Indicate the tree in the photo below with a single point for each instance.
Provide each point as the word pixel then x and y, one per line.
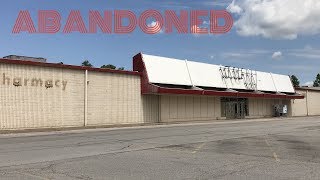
pixel 86 63
pixel 109 66
pixel 295 81
pixel 316 83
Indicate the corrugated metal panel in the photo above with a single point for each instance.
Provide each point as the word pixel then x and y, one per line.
pixel 189 108
pixel 263 107
pixel 150 108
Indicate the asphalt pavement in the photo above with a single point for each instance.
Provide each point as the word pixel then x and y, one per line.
pixel 250 149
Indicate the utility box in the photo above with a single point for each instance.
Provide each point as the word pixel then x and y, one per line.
pixel 280 110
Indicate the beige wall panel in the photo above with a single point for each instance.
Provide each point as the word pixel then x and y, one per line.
pixel 32 105
pixel 181 107
pixel 190 108
pixel 264 107
pixel 173 105
pixel 310 105
pixel 197 107
pixel 268 105
pixel 204 107
pixel 164 111
pixel 217 105
pixel 313 103
pixel 256 107
pixel 211 107
pixel 261 107
pixel 114 99
pixel 252 111
pixel 150 108
pixel 251 107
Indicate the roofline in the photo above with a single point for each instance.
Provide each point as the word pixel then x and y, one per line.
pixel 22 56
pixel 163 90
pixel 306 89
pixel 65 66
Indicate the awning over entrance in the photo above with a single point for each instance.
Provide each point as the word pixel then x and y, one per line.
pixel 225 82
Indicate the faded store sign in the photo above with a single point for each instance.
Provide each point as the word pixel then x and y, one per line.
pixel 33 82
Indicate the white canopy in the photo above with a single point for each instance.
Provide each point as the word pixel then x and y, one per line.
pixel 163 70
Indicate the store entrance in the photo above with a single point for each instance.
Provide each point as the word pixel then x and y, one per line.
pixel 233 108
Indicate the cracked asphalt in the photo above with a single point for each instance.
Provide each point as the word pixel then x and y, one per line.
pixel 253 149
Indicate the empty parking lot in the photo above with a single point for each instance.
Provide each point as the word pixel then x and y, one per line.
pixel 250 149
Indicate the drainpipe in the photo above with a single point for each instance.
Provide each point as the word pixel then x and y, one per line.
pixel 86 99
pixel 307 105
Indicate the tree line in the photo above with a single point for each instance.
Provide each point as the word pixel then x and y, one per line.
pixel 296 83
pixel 106 66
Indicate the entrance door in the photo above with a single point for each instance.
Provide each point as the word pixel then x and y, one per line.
pixel 235 108
pixel 241 113
pixel 231 109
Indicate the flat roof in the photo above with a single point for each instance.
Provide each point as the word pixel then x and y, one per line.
pixel 308 88
pixel 65 66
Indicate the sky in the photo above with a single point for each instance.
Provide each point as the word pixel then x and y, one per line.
pixel 279 36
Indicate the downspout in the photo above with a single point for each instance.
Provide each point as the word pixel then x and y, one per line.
pixel 86 99
pixel 307 105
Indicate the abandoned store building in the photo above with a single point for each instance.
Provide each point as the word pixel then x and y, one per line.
pixel 158 89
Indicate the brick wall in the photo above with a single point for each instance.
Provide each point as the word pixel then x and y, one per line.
pixel 46 97
pixel 114 99
pixel 27 99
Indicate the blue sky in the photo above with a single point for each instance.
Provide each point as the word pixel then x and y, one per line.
pixel 299 56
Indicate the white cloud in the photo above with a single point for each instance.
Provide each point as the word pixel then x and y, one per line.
pixel 277 55
pixel 276 19
pixel 295 68
pixel 216 3
pixel 309 83
pixel 152 24
pixel 240 54
pixel 233 8
pixel 306 53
